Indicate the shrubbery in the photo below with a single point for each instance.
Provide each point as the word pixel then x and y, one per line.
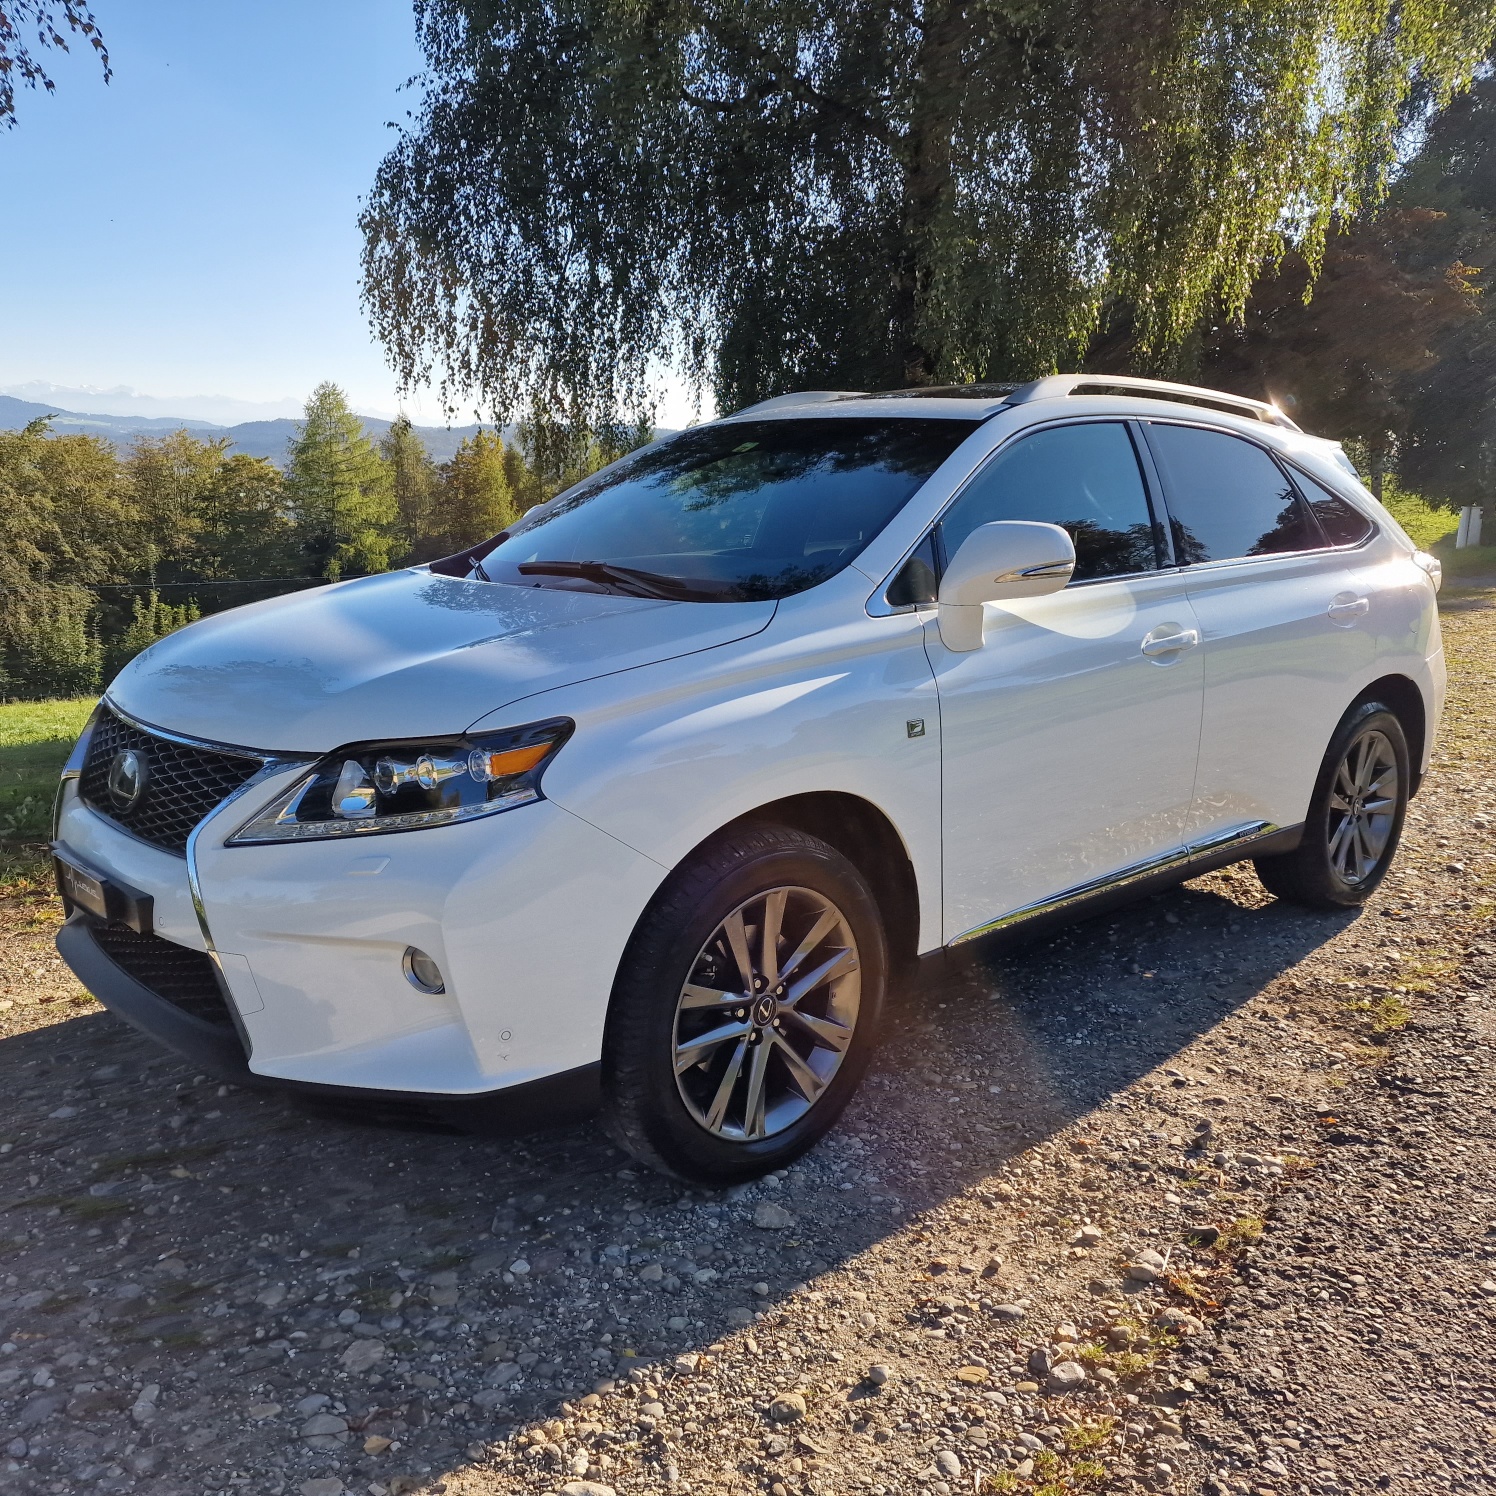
pixel 109 551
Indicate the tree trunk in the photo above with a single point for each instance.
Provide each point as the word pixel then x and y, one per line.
pixel 1378 455
pixel 929 180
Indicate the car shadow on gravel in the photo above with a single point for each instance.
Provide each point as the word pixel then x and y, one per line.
pixel 244 1257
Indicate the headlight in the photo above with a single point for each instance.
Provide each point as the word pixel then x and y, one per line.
pixel 372 787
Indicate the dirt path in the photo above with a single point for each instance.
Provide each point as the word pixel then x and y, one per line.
pixel 208 1290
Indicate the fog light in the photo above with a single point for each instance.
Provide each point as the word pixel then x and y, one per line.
pixel 422 972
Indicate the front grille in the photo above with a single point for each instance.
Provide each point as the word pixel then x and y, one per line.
pixel 183 783
pixel 185 978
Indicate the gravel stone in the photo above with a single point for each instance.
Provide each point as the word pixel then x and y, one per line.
pixel 787 1407
pixel 768 1216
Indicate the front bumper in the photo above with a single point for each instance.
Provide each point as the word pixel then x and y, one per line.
pixel 527 913
pixel 185 1022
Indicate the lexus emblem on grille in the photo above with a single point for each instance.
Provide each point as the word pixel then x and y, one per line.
pixel 128 777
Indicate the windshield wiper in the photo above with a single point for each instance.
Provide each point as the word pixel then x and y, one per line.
pixel 626 578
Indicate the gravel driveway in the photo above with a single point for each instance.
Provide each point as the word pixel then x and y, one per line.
pixel 1196 1197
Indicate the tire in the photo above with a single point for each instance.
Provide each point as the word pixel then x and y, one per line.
pixel 740 1104
pixel 1350 835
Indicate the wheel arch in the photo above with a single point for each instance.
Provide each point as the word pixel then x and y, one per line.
pixel 867 838
pixel 1406 702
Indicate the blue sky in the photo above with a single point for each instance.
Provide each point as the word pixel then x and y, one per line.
pixel 190 228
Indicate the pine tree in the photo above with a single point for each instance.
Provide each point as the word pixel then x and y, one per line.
pixel 413 482
pixel 474 500
pixel 339 491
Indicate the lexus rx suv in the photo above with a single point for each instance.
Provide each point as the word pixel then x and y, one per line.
pixel 648 800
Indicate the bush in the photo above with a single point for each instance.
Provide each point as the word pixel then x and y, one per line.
pixel 152 620
pixel 50 646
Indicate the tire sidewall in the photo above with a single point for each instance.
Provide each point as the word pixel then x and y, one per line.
pixel 648 990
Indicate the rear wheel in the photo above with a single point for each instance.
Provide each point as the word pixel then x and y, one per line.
pixel 745 1008
pixel 1355 818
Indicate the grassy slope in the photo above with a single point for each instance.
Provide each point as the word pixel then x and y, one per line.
pixel 35 737
pixel 1433 530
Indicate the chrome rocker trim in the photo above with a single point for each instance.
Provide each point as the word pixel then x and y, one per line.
pixel 1253 838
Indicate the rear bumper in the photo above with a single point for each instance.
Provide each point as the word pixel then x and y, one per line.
pixel 126 972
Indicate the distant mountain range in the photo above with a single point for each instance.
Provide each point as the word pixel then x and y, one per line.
pixel 121 400
pixel 254 438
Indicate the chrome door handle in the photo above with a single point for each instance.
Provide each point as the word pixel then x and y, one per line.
pixel 1346 605
pixel 1162 644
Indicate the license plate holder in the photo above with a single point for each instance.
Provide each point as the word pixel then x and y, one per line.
pixel 85 888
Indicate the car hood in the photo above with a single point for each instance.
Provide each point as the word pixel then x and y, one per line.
pixel 402 655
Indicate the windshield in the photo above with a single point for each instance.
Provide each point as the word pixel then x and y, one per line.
pixel 736 512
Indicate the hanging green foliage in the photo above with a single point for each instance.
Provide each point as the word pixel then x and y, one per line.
pixel 772 194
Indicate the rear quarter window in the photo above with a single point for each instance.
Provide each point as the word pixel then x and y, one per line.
pixel 1341 521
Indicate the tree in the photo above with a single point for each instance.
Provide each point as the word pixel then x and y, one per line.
pixel 246 532
pixel 413 483
pixel 1449 451
pixel 169 478
pixel 20 20
pixel 473 500
pixel 1393 346
pixel 203 516
pixel 780 193
pixel 1345 359
pixel 66 523
pixel 150 620
pixel 339 491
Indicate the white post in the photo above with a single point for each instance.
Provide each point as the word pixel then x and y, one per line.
pixel 1462 531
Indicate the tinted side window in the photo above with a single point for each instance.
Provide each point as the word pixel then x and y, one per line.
pixel 1227 497
pixel 1342 522
pixel 1082 478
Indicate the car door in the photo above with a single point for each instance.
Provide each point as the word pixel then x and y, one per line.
pixel 1069 738
pixel 1282 618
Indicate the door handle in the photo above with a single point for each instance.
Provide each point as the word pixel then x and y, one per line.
pixel 1156 643
pixel 1345 606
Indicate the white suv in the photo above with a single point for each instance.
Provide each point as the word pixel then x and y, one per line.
pixel 692 762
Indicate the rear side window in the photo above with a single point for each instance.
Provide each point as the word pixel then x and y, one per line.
pixel 1084 478
pixel 1342 522
pixel 1227 497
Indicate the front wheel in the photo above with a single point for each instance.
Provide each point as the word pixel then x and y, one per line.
pixel 1355 818
pixel 745 1008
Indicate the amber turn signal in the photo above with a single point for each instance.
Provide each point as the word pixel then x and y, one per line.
pixel 500 765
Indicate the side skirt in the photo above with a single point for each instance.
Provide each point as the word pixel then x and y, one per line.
pixel 1125 887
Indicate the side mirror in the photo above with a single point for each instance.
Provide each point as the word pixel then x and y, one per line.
pixel 1000 562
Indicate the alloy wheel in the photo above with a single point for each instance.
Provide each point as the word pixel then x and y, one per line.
pixel 1363 806
pixel 767 1014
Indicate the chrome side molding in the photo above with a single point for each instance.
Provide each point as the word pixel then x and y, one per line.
pixel 1232 837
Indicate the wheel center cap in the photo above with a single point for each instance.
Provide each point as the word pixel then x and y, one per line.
pixel 764 1011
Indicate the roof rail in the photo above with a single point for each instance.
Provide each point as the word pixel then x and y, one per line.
pixel 1055 385
pixel 800 397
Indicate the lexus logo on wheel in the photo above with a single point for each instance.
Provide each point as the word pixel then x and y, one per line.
pixel 128 777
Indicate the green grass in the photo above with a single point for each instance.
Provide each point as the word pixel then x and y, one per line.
pixel 1434 530
pixel 35 737
pixel 1426 526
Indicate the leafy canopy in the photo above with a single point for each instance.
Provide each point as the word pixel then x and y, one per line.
pixel 28 27
pixel 771 194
